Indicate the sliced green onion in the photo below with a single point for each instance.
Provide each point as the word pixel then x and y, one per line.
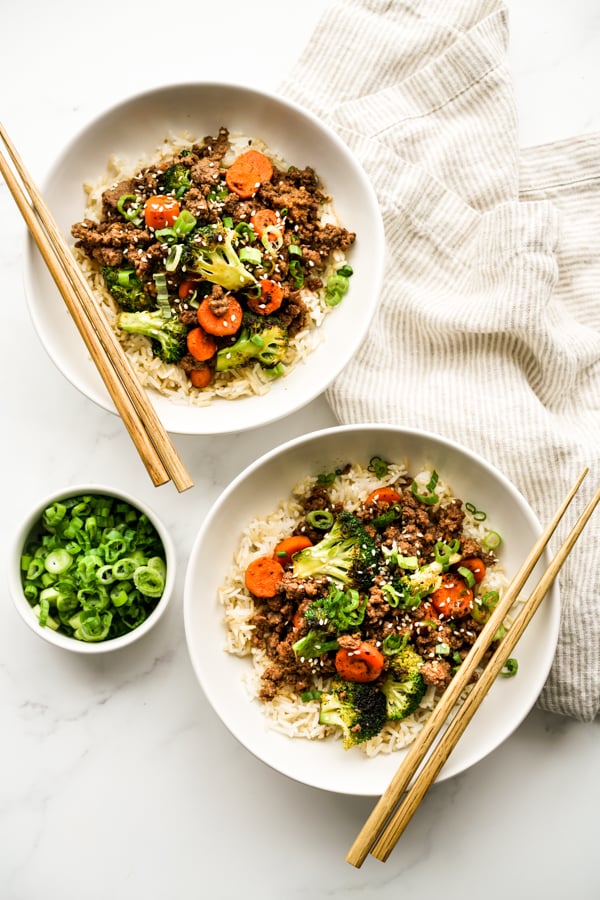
pixel 243 230
pixel 320 518
pixel 467 575
pixel 442 649
pixel 165 235
pixel 406 562
pixel 378 467
pixel 162 294
pixel 510 668
pixel 250 255
pixel 393 643
pixel 69 566
pixel 174 257
pixel 478 514
pixel 149 581
pixel 294 249
pixel 274 371
pixel 297 273
pixel 184 223
pixel 429 497
pixel 227 221
pixel 492 540
pixel 272 238
pixel 133 212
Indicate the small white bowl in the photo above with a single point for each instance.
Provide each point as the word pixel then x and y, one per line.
pixel 31 523
pixel 137 126
pixel 257 491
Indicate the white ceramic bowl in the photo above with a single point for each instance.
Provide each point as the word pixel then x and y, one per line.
pixel 135 127
pixel 30 526
pixel 257 491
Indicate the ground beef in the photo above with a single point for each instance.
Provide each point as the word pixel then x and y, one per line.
pixel 437 672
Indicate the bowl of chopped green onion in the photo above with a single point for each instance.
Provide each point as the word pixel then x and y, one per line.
pixel 93 569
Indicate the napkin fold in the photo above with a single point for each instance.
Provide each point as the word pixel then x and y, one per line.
pixel 488 326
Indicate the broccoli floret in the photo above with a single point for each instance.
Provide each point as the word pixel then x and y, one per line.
pixel 358 708
pixel 212 255
pixel 127 289
pixel 346 554
pixel 168 336
pixel 314 644
pixel 263 338
pixel 404 686
pixel 338 611
pixel 176 180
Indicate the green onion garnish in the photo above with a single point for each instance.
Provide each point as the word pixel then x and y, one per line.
pixel 429 497
pixel 108 580
pixel 320 518
pixel 510 668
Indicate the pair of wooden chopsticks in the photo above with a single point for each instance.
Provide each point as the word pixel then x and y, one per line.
pixel 143 424
pixel 395 808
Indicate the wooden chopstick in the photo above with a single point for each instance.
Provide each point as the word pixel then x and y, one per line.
pixel 152 441
pixel 386 805
pixel 434 763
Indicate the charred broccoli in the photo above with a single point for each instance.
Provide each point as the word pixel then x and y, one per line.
pixel 346 554
pixel 176 180
pixel 358 708
pixel 127 289
pixel 168 336
pixel 261 338
pixel 404 686
pixel 314 644
pixel 211 255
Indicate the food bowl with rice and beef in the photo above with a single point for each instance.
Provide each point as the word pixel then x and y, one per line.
pixel 234 244
pixel 336 586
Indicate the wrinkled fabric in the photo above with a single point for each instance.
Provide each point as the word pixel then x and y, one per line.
pixel 488 325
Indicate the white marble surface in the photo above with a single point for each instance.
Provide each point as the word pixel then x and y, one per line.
pixel 116 777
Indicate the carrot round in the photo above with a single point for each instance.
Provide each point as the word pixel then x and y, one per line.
pixel 201 377
pixel 385 494
pixel 201 345
pixel 185 289
pixel 160 211
pixel 247 172
pixel 223 325
pixel 363 664
pixel 286 548
pixel 475 565
pixel 453 598
pixel 271 298
pixel 263 576
pixel 265 218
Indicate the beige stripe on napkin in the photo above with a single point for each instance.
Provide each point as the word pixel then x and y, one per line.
pixel 488 326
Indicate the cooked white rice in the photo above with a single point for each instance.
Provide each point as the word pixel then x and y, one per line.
pixel 287 713
pixel 171 380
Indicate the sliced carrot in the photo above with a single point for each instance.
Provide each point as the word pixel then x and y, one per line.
pixel 161 211
pixel 265 218
pixel 385 494
pixel 286 548
pixel 201 377
pixel 201 345
pixel 263 576
pixel 363 664
pixel 453 598
pixel 475 565
pixel 185 289
pixel 220 325
pixel 247 172
pixel 271 298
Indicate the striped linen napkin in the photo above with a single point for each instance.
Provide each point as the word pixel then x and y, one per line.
pixel 488 327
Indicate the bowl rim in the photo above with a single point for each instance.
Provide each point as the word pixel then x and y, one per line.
pixel 28 523
pixel 294 391
pixel 190 599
